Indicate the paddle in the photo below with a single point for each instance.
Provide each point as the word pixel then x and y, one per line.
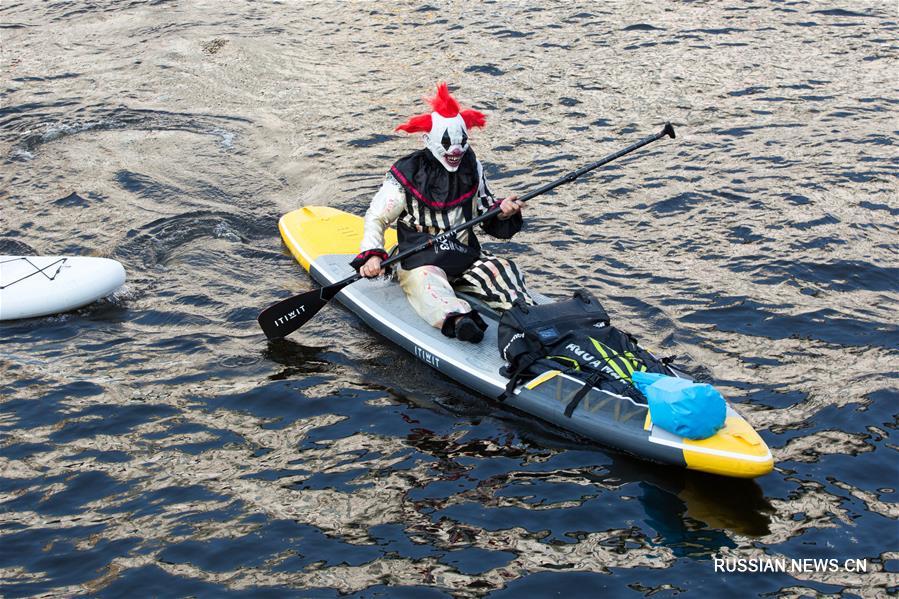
pixel 288 315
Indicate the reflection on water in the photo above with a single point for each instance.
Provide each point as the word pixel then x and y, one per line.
pixel 155 441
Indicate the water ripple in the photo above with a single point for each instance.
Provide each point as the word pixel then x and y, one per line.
pixel 154 441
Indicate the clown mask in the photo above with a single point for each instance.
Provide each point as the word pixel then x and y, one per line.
pixel 446 128
pixel 447 140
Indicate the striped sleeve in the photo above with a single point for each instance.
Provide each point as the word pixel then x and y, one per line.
pixel 485 196
pixel 495 227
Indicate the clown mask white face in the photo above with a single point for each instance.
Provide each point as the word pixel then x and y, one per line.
pixel 447 140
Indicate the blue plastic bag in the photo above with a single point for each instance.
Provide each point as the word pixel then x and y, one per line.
pixel 691 410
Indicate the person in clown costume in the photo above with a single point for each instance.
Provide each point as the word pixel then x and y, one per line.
pixel 428 192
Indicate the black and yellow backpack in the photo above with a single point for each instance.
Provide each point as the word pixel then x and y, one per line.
pixel 576 336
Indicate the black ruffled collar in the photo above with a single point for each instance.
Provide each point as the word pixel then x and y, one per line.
pixel 423 176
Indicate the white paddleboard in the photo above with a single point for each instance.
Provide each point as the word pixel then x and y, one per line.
pixel 40 285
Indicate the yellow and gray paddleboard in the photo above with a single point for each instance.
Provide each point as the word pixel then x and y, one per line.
pixel 324 240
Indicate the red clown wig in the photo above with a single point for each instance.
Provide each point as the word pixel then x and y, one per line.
pixel 446 106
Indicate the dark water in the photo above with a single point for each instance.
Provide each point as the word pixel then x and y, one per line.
pixel 154 444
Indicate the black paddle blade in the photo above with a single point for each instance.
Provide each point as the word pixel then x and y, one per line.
pixel 668 130
pixel 288 315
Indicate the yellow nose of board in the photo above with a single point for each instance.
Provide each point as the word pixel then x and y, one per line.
pixel 735 450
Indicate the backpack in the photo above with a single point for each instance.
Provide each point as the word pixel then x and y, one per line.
pixel 576 335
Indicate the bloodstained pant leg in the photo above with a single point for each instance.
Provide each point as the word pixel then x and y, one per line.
pixel 430 294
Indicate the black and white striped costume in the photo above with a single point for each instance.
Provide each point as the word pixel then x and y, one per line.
pixel 424 199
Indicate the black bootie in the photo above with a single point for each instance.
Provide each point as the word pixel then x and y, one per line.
pixel 468 330
pixel 465 327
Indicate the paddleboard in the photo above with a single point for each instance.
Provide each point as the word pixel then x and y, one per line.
pixel 324 240
pixel 40 285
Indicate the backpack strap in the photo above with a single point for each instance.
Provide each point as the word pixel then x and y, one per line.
pixel 525 361
pixel 591 380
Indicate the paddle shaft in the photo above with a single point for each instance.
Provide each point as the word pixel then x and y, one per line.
pixel 288 315
pixel 668 130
